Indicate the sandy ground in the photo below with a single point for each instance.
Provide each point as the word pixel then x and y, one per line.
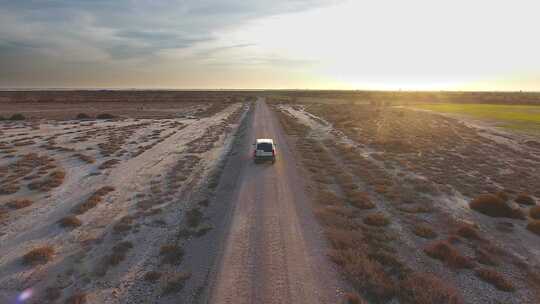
pixel 273 252
pixel 148 195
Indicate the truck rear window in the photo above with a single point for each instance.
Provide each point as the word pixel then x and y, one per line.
pixel 266 147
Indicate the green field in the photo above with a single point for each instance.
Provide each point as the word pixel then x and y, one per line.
pixel 524 118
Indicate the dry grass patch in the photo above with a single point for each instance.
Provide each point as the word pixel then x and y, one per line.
pixel 376 219
pixel 152 276
pixel 70 221
pixel 53 180
pixel 494 278
pixel 39 255
pixel 19 203
pixel 525 199
pixel 93 200
pixel 468 231
pixel 445 252
pixel 52 294
pixel 171 254
pixel 359 200
pixel 108 164
pixel 117 255
pixel 354 298
pixel 364 273
pixel 9 188
pixel 424 231
pixel 194 217
pixel 85 158
pixel 175 282
pixel 534 227
pixel 534 212
pixel 78 298
pixel 425 288
pixel 494 206
pixel 484 257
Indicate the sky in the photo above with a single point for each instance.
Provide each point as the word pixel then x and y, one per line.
pixel 271 44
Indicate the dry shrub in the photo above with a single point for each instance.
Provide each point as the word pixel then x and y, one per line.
pixel 3 213
pixel 118 254
pixel 445 252
pixel 492 205
pixel 152 276
pixel 376 219
pixel 534 212
pixel 104 190
pixel 108 164
pixel 194 217
pixel 534 226
pixel 19 203
pixel 525 199
pixel 468 231
pixel 70 221
pixel 425 288
pixel 105 116
pixel 325 197
pixel 344 239
pixel 364 273
pixel 53 180
pixel 52 294
pixel 171 254
pixel 93 200
pixel 9 189
pixel 334 220
pixel 78 298
pixel 360 200
pixel 85 158
pixel 175 282
pixel 425 231
pixel 354 298
pixel 123 225
pixel 40 255
pixel 494 278
pixel 485 257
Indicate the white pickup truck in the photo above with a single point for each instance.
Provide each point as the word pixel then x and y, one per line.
pixel 265 149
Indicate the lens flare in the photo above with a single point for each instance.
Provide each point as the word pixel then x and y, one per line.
pixel 25 295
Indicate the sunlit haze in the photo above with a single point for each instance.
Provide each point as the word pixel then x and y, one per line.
pixel 302 44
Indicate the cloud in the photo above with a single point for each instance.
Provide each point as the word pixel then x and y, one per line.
pixel 124 29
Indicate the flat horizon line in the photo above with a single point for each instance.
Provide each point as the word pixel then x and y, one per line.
pixel 260 90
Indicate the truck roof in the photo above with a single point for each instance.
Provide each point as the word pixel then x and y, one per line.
pixel 264 140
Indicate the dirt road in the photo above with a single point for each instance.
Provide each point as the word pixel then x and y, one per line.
pixel 273 252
